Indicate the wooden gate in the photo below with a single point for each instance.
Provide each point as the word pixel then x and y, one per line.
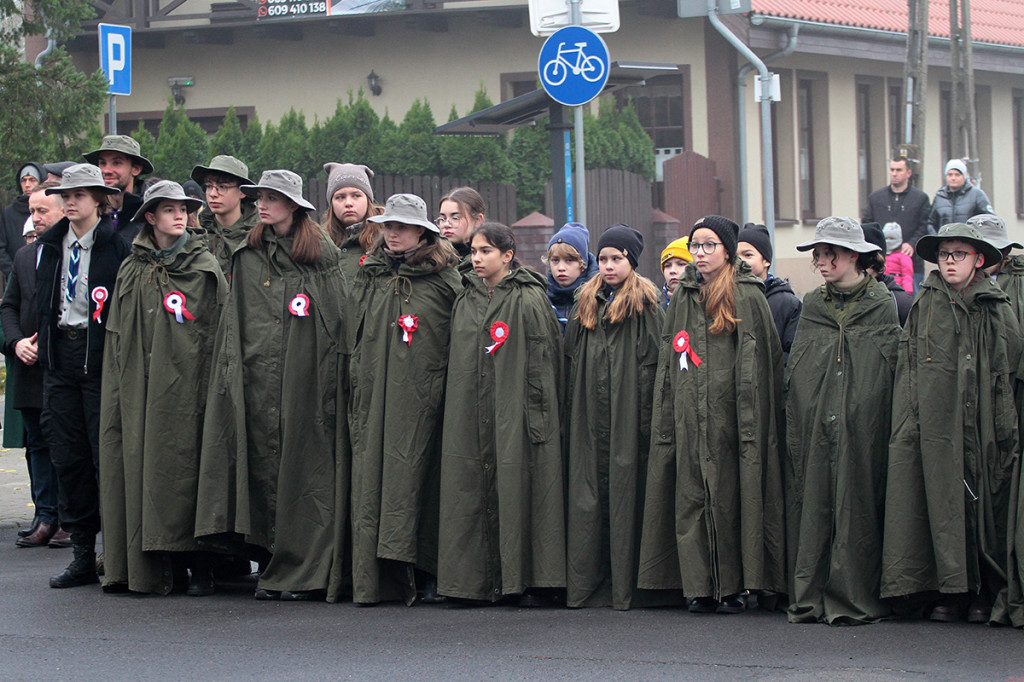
pixel 691 188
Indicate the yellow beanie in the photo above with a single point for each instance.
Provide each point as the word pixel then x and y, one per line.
pixel 677 249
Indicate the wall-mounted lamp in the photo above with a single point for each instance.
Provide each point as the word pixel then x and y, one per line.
pixel 374 82
pixel 177 83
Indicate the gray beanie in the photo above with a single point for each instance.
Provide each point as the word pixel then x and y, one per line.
pixel 348 175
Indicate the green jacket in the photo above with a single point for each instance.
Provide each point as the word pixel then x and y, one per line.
pixel 502 525
pixel 224 240
pixel 608 427
pixel 274 467
pixel 396 409
pixel 838 390
pixel 713 522
pixel 156 372
pixel 953 454
pixel 1011 280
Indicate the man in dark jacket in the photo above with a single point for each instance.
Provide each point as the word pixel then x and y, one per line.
pixel 77 267
pixel 25 381
pixel 901 203
pixel 16 213
pixel 958 199
pixel 120 159
pixel 755 247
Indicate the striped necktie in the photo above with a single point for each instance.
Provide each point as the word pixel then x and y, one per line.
pixel 76 257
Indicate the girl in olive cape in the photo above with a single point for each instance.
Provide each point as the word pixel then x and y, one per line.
pixel 274 468
pixel 713 519
pixel 349 191
pixel 611 349
pixel 838 406
pixel 156 371
pixel 404 295
pixel 502 526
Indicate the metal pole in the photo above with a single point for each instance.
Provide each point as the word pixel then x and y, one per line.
pixel 580 212
pixel 112 116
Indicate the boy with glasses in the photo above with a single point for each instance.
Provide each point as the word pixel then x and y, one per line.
pixel 954 443
pixel 229 215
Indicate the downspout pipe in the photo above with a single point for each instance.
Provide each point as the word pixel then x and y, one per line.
pixel 51 45
pixel 765 83
pixel 792 32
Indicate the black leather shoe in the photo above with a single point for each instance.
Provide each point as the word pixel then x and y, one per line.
pixel 61 539
pixel 44 531
pixel 200 582
pixel 304 595
pixel 429 595
pixel 81 570
pixel 267 595
pixel 703 605
pixel 25 532
pixel 732 604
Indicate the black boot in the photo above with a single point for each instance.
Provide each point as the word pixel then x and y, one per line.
pixel 82 569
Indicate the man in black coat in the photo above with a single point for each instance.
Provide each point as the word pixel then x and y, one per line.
pixel 25 382
pixel 901 203
pixel 15 214
pixel 120 159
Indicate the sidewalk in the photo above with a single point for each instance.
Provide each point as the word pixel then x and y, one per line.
pixel 16 510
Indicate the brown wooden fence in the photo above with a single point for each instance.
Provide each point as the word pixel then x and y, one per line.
pixel 500 197
pixel 691 188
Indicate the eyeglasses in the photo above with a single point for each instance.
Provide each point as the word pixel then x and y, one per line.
pixel 221 188
pixel 450 219
pixel 706 247
pixel 958 256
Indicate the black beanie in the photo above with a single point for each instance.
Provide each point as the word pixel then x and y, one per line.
pixel 758 237
pixel 625 239
pixel 726 230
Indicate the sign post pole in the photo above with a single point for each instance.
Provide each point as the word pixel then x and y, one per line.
pixel 577 119
pixel 116 62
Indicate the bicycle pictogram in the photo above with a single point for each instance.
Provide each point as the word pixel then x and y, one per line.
pixel 590 67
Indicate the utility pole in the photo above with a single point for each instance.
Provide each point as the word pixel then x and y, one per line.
pixel 915 84
pixel 963 124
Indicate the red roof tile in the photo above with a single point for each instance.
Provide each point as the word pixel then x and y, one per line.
pixel 992 21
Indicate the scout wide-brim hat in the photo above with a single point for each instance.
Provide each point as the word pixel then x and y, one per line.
pixel 223 165
pixel 283 181
pixel 82 176
pixel 839 231
pixel 929 244
pixel 993 230
pixel 124 144
pixel 165 189
pixel 407 209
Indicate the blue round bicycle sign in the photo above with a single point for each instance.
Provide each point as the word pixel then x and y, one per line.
pixel 573 65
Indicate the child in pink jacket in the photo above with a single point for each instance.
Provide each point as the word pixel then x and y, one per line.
pixel 897 263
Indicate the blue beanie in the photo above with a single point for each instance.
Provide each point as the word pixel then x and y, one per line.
pixel 575 235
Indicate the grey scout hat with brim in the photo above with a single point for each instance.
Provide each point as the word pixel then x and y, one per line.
pixel 165 189
pixel 839 231
pixel 993 230
pixel 82 176
pixel 223 164
pixel 407 209
pixel 283 181
pixel 123 144
pixel 928 245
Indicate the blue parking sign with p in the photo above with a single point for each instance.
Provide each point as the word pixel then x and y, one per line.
pixel 116 57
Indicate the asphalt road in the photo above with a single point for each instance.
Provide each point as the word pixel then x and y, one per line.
pixel 84 634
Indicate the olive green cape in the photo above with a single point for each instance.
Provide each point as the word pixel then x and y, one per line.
pixel 714 517
pixel 274 468
pixel 502 520
pixel 1011 280
pixel 396 410
pixel 156 372
pixel 224 240
pixel 838 390
pixel 611 381
pixel 954 450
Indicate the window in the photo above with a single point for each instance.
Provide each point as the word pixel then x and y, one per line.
pixel 1018 150
pixel 516 84
pixel 864 139
pixel 662 106
pixel 805 141
pixel 946 124
pixel 897 114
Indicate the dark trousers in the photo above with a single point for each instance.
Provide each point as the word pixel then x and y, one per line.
pixel 41 471
pixel 71 424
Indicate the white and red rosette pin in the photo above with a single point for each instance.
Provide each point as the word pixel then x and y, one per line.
pixel 363 258
pixel 499 334
pixel 681 345
pixel 408 324
pixel 99 297
pixel 299 307
pixel 174 303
